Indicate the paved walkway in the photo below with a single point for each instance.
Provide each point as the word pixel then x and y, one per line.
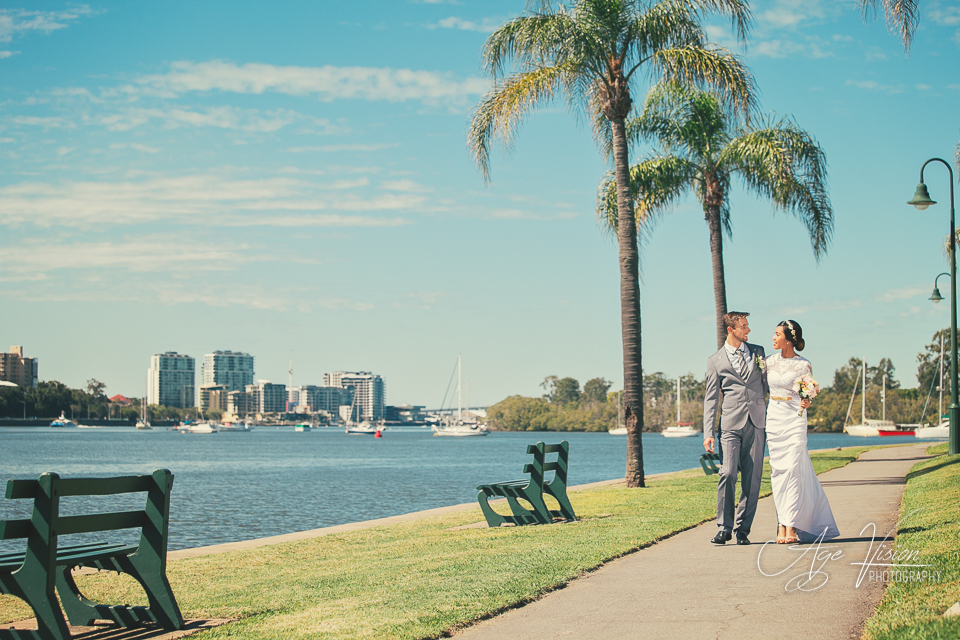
pixel 685 587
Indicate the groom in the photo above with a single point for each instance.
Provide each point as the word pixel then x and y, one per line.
pixel 736 382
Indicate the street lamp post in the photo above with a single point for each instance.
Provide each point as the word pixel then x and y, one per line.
pixel 921 200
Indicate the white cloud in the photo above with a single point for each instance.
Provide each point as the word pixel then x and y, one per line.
pixel 405 185
pixel 219 117
pixel 19 21
pixel 948 16
pixel 906 293
pixel 7 54
pixel 327 83
pixel 203 200
pixel 923 87
pixel 333 148
pixel 62 151
pixel 487 25
pixel 45 122
pixel 873 85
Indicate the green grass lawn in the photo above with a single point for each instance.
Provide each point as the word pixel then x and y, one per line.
pixel 930 527
pixel 421 578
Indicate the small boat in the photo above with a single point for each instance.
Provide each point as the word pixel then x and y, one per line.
pixel 683 429
pixel 619 430
pixel 302 428
pixel 867 427
pixel 461 429
pixel 143 425
pixel 364 428
pixel 200 427
pixel 63 421
pixel 235 427
pixel 939 432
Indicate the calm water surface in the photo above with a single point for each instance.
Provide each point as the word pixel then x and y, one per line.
pixel 240 486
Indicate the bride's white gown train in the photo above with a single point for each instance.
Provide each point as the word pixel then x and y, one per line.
pixel 797 494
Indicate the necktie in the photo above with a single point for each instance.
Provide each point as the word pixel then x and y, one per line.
pixel 741 364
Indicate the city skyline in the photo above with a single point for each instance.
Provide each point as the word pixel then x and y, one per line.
pixel 242 177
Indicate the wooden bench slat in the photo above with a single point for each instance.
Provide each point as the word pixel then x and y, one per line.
pixel 105 486
pixel 19 489
pixel 101 522
pixel 13 529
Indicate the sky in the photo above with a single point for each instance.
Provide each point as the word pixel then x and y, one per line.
pixel 293 178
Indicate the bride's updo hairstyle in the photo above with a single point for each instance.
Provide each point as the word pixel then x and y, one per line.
pixel 793 333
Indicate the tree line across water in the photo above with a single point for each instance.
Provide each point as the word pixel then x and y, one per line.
pixel 51 398
pixel 566 407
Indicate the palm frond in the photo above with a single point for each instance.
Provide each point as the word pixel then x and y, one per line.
pixel 655 185
pixel 711 67
pixel 902 16
pixel 502 110
pixel 686 120
pixel 540 39
pixel 786 164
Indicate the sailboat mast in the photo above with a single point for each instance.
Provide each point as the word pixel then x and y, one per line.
pixel 883 399
pixel 459 394
pixel 678 400
pixel 863 400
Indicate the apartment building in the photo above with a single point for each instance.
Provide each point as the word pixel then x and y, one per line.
pixel 23 372
pixel 171 380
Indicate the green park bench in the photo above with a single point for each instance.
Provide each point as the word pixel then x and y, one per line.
pixel 532 490
pixel 711 463
pixel 44 569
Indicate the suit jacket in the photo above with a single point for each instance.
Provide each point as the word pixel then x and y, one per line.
pixel 735 397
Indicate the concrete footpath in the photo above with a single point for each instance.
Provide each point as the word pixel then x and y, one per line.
pixel 686 587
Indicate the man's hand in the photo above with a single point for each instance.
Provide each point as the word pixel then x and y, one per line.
pixel 708 444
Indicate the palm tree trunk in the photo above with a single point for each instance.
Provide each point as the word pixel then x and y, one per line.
pixel 629 308
pixel 712 213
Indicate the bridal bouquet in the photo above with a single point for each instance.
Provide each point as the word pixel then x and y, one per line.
pixel 806 387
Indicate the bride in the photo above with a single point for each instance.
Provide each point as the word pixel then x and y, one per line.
pixel 803 512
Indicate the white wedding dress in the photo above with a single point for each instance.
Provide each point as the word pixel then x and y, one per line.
pixel 797 493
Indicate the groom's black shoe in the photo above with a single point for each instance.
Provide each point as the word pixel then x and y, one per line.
pixel 721 538
pixel 742 538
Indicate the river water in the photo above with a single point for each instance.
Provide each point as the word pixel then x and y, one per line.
pixel 240 486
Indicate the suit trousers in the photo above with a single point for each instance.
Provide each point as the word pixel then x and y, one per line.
pixel 742 450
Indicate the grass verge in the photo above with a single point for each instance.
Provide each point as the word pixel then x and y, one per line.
pixel 422 578
pixel 929 532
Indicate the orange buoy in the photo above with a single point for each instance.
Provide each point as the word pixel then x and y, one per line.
pixel 377 434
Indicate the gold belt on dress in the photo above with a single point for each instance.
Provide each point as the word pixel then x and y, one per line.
pixel 780 398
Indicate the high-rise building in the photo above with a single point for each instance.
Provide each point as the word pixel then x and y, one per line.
pixel 212 396
pixel 232 369
pixel 23 372
pixel 316 398
pixel 240 403
pixel 268 397
pixel 170 380
pixel 369 392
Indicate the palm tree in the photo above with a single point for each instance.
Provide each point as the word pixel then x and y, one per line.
pixel 705 145
pixel 903 16
pixel 590 53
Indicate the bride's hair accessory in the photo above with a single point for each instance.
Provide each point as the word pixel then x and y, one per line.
pixel 793 333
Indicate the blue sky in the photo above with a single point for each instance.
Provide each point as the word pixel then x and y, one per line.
pixel 193 176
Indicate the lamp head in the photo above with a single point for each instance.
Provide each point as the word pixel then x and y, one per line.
pixel 921 199
pixel 936 297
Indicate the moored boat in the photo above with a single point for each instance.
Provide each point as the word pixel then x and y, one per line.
pixel 939 432
pixel 200 427
pixel 302 428
pixel 682 430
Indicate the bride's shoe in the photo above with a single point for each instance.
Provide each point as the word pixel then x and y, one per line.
pixel 790 536
pixel 781 534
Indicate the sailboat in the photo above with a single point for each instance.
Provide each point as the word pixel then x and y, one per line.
pixel 365 428
pixel 460 428
pixel 942 430
pixel 683 429
pixel 143 422
pixel 620 430
pixel 867 427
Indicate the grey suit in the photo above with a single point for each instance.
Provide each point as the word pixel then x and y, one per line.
pixel 743 415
